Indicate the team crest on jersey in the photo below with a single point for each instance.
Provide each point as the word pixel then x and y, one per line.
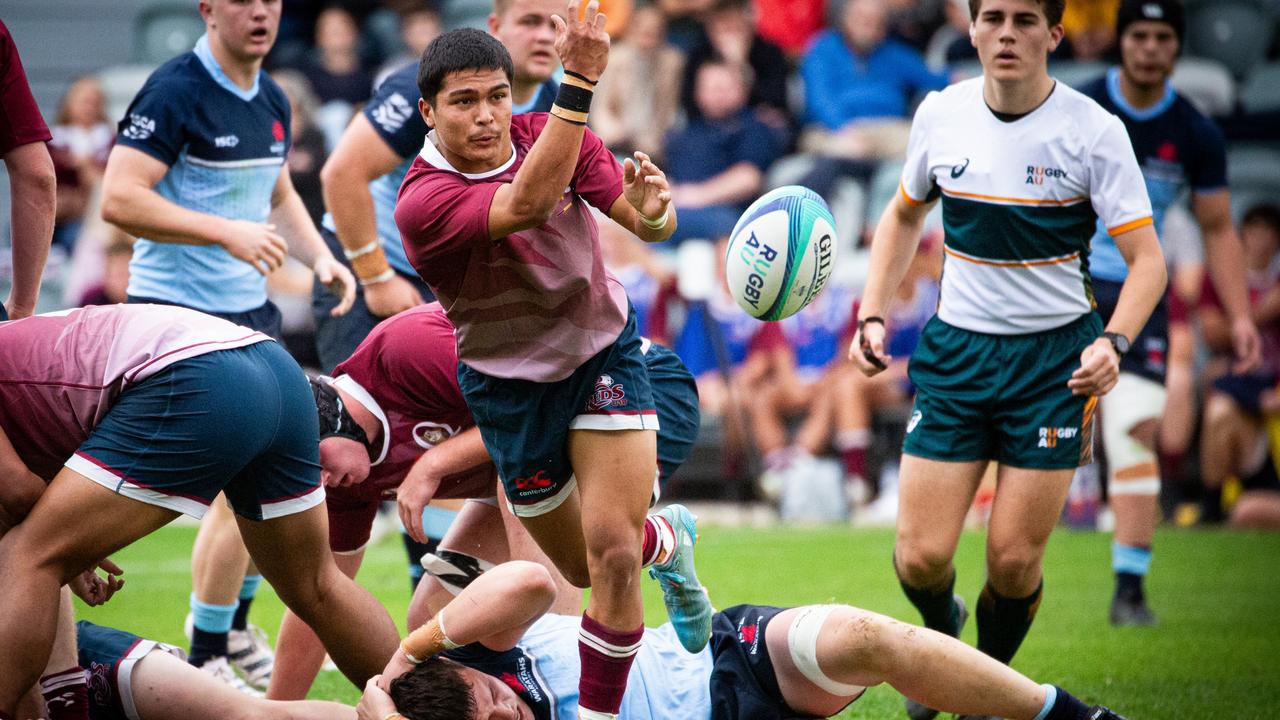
pixel 1049 436
pixel 607 394
pixel 277 134
pixel 749 635
pixel 140 127
pixel 428 434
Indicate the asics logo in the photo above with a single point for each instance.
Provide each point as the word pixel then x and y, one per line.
pixel 915 420
pixel 958 170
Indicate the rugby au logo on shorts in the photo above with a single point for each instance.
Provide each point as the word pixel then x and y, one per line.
pixel 1049 436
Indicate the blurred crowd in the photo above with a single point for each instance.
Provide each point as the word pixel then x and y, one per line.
pixel 731 98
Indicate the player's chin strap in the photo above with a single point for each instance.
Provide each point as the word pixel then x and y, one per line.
pixel 335 419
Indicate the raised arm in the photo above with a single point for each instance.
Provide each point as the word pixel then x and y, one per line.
pixel 530 198
pixel 495 610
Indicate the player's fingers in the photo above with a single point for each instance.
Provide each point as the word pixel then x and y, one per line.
pixel 574 12
pixel 110 566
pixel 664 197
pixel 277 240
pixel 588 16
pixel 559 25
pixel 628 171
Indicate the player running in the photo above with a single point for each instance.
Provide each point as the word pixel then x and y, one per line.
pixel 394 425
pixel 1177 148
pixel 494 218
pixel 1011 367
pixel 495 653
pixel 134 414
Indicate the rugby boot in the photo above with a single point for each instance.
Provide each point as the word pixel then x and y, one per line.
pixel 688 606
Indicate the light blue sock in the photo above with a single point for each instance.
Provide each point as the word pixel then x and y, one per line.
pixel 212 618
pixel 1050 697
pixel 249 588
pixel 1130 559
pixel 436 521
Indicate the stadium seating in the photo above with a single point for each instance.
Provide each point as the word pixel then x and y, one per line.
pixel 1207 84
pixel 165 28
pixel 1236 33
pixel 1261 91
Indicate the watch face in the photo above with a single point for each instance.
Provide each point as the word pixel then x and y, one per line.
pixel 1120 342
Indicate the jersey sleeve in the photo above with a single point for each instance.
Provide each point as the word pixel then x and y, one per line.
pixel 439 212
pixel 393 113
pixel 598 176
pixel 417 355
pixel 918 186
pixel 154 123
pixel 1116 188
pixel 1209 172
pixel 20 122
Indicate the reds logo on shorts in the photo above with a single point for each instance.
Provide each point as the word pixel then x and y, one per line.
pixel 607 394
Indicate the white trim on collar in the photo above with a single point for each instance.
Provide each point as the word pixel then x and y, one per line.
pixel 432 155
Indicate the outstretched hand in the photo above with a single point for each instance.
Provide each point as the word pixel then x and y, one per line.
pixel 581 42
pixel 94 589
pixel 645 186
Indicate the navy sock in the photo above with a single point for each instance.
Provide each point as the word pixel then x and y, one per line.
pixel 248 590
pixel 415 550
pixel 1003 622
pixel 937 606
pixel 1065 707
pixel 205 646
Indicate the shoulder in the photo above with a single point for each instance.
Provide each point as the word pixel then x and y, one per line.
pixel 181 76
pixel 1083 114
pixel 964 96
pixel 1202 127
pixel 403 81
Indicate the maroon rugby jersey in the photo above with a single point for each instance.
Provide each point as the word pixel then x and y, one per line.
pixel 406 373
pixel 60 373
pixel 535 304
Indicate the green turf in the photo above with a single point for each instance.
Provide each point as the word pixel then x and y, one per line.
pixel 1213 655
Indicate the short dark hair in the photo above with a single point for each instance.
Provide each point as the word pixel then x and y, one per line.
pixel 459 51
pixel 433 690
pixel 1264 214
pixel 1053 9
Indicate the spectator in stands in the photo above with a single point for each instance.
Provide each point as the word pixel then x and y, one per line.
pixel 307 152
pixel 336 71
pixel 32 183
pixel 717 163
pixel 1241 408
pixel 914 21
pixel 790 24
pixel 858 86
pixel 82 138
pixel 419 25
pixel 637 98
pixel 115 275
pixel 1091 27
pixel 683 20
pixel 729 35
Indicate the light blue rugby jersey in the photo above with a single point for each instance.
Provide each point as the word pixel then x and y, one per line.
pixel 393 114
pixel 225 148
pixel 665 681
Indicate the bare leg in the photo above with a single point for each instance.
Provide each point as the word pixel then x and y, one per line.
pixel 1026 509
pixel 1136 512
pixel 1257 510
pixel 299 653
pixel 861 648
pixel 64 654
pixel 934 498
pixel 76 523
pixel 165 687
pixel 1225 441
pixel 219 559
pixel 521 546
pixel 293 554
pixel 559 534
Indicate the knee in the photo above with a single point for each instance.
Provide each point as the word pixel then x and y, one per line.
pixel 615 563
pixel 920 565
pixel 1218 408
pixel 864 640
pixel 1011 569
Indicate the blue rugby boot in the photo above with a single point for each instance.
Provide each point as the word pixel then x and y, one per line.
pixel 688 606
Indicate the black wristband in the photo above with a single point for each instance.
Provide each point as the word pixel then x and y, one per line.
pixel 581 77
pixel 574 98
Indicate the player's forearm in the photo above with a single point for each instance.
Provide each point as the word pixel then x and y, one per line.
pixel 547 169
pixel 495 609
pixel 459 453
pixel 1142 290
pixel 33 195
pixel 892 248
pixel 349 201
pixel 142 212
pixel 1224 257
pixel 294 224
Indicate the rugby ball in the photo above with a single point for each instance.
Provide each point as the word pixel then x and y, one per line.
pixel 781 253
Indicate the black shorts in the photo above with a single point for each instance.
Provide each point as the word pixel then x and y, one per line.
pixel 743 684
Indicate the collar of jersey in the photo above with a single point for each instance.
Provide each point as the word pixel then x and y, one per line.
pixel 362 396
pixel 432 154
pixel 1117 97
pixel 210 63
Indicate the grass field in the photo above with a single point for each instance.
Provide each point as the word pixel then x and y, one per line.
pixel 1214 654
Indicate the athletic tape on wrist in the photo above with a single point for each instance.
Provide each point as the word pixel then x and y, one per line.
pixel 444 636
pixel 383 276
pixel 364 250
pixel 656 224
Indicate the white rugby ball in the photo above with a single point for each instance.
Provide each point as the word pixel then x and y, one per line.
pixel 781 253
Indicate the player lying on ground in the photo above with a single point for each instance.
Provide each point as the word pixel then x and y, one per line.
pixel 135 414
pixel 495 653
pixel 394 425
pixel 131 678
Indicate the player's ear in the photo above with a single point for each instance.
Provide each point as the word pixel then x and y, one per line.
pixel 973 35
pixel 424 108
pixel 1056 33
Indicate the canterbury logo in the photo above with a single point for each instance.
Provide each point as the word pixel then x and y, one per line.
pixel 958 170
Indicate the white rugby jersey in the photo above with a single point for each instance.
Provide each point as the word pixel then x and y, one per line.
pixel 1020 201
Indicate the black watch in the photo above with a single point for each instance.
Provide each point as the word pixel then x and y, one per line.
pixel 1119 342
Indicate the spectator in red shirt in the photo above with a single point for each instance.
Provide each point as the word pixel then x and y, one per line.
pixel 32 185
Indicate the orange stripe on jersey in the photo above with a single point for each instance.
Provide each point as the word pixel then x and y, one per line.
pixel 1011 263
pixel 1133 225
pixel 1015 201
pixel 910 200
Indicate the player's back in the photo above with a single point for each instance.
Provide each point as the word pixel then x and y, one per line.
pixel 60 373
pixel 665 681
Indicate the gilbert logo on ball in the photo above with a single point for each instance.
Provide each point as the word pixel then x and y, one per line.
pixel 781 253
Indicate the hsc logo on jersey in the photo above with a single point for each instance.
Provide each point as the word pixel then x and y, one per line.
pixel 1049 436
pixel 1037 173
